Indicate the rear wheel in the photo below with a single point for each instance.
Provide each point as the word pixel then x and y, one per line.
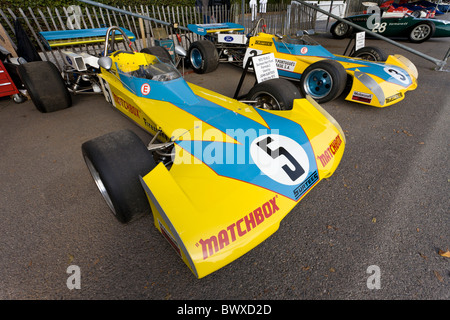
pixel 203 56
pixel 45 86
pixel 115 162
pixel 421 32
pixel 418 13
pixel 370 53
pixel 275 94
pixel 324 80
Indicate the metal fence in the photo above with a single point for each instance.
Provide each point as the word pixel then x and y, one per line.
pixel 279 18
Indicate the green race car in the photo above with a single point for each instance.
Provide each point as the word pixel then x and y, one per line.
pixel 405 25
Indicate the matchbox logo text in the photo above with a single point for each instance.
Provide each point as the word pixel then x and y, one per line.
pixel 329 153
pixel 238 229
pixel 130 108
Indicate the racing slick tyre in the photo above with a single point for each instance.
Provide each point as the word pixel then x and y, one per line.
pixel 115 161
pixel 203 56
pixel 421 32
pixel 418 13
pixel 274 94
pixel 370 53
pixel 324 80
pixel 45 86
pixel 340 30
pixel 160 52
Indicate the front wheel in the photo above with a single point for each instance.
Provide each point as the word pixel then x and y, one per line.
pixel 324 80
pixel 115 162
pixel 370 53
pixel 275 94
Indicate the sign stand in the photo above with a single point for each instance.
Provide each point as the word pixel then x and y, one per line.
pixel 359 43
pixel 264 66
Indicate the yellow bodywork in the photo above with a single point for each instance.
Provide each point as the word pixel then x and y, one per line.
pixel 210 219
pixel 378 93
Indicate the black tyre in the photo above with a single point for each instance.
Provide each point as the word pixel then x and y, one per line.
pixel 203 56
pixel 45 86
pixel 275 94
pixel 115 161
pixel 370 53
pixel 324 80
pixel 340 30
pixel 418 13
pixel 421 32
pixel 160 52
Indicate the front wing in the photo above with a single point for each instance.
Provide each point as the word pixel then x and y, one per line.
pixel 372 90
pixel 211 220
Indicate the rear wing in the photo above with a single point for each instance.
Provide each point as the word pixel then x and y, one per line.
pixel 204 29
pixel 54 39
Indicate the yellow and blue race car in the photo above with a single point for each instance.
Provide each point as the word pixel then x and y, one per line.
pixel 219 175
pixel 369 76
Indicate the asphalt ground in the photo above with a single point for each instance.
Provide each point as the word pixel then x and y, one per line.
pixel 386 208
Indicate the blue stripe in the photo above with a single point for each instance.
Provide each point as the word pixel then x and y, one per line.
pixel 377 69
pixel 234 160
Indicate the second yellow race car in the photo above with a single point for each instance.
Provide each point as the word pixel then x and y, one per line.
pixel 368 77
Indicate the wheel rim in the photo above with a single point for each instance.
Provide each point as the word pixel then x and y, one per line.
pixel 341 29
pixel 420 32
pixel 98 181
pixel 196 58
pixel 318 83
pixel 265 100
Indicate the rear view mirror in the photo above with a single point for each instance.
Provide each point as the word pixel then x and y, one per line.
pixel 105 62
pixel 179 50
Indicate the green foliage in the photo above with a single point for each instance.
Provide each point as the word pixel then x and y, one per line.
pixel 34 4
pixel 42 4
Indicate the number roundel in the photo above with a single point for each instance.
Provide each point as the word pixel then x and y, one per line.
pixel 397 74
pixel 280 158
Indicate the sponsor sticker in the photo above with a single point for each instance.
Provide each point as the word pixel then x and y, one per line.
pixel 330 151
pixel 263 43
pixel 304 50
pixel 226 236
pixel 286 65
pixel 394 97
pixel 362 97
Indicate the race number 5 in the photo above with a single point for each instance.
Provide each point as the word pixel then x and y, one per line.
pixel 294 173
pixel 280 158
